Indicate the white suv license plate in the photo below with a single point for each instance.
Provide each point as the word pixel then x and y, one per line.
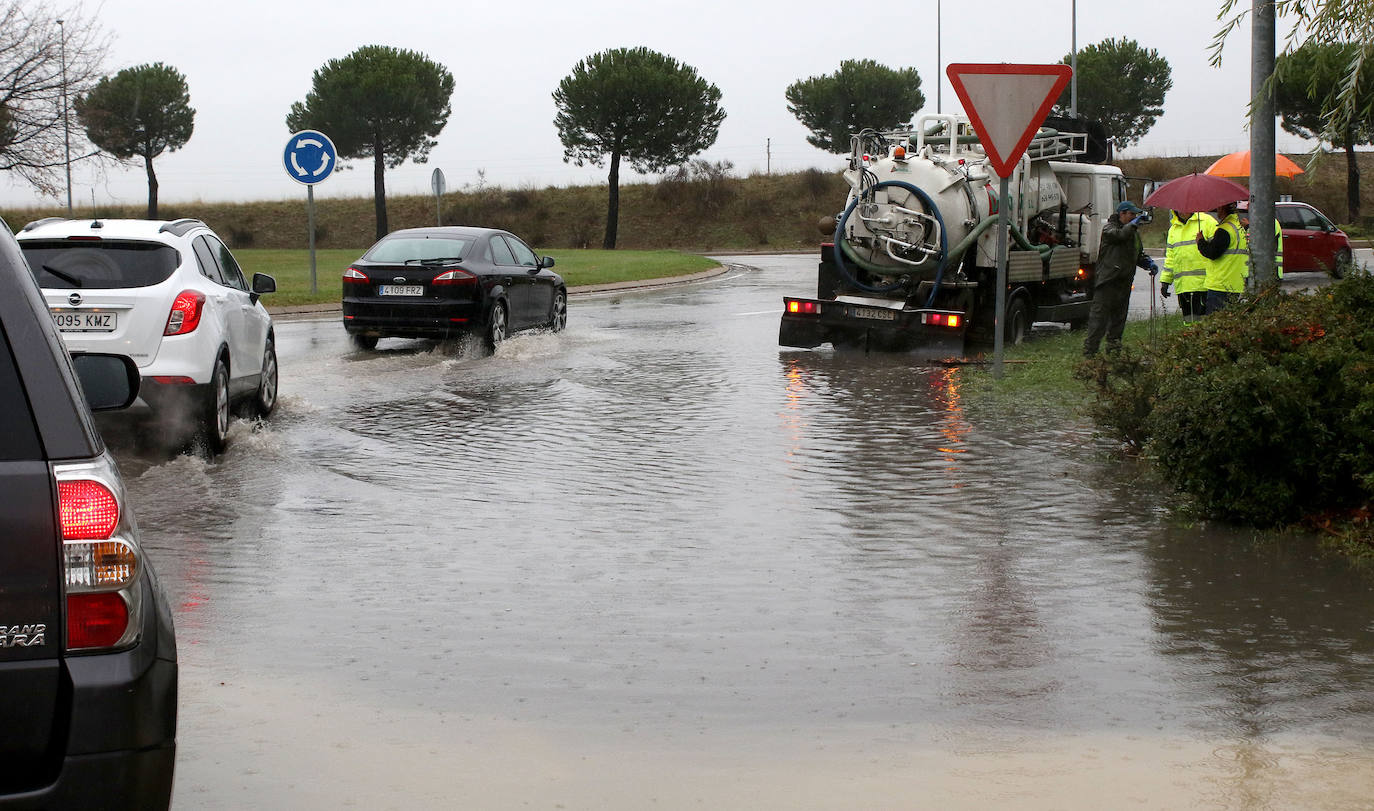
pixel 876 313
pixel 84 321
pixel 400 290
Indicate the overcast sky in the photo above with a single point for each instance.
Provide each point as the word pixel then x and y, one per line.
pixel 247 61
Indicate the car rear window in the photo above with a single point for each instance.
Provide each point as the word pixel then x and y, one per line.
pixel 20 437
pixel 100 265
pixel 403 249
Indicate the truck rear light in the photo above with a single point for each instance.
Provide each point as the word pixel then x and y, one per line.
pixel 951 320
pixel 87 509
pixel 455 277
pixel 96 620
pixel 354 276
pixel 802 307
pixel 185 314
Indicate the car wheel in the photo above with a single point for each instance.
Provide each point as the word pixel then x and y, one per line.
pixel 367 343
pixel 1343 263
pixel 215 411
pixel 1018 322
pixel 496 325
pixel 560 312
pixel 266 400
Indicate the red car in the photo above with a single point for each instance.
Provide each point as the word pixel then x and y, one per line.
pixel 1310 240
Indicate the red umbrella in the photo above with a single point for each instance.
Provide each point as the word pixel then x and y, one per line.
pixel 1196 192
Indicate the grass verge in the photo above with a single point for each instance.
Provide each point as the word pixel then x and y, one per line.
pixel 291 269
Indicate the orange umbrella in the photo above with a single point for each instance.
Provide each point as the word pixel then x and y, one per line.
pixel 1237 164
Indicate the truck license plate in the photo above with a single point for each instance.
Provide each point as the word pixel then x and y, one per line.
pixel 84 321
pixel 876 313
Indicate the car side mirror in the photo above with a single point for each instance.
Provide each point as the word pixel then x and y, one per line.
pixel 262 283
pixel 546 261
pixel 110 382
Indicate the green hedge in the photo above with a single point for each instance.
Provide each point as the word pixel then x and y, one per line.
pixel 1261 414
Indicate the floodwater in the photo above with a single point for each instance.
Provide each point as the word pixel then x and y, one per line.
pixel 656 561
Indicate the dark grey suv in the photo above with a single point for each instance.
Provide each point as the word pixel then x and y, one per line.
pixel 88 673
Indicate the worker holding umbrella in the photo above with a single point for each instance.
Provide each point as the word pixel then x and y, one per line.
pixel 1229 252
pixel 1227 263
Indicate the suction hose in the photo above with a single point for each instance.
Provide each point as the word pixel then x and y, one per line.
pixel 839 241
pixel 952 256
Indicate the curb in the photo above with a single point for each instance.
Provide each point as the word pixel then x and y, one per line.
pixel 307 311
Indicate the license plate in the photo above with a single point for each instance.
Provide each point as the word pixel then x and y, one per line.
pixel 84 321
pixel 400 290
pixel 876 313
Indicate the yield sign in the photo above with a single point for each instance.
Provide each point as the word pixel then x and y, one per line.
pixel 1007 104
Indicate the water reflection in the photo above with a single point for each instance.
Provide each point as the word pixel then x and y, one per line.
pixel 1270 640
pixel 656 537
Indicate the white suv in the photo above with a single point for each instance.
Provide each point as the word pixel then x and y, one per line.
pixel 170 296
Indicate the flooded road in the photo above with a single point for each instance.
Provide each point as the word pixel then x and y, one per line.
pixel 655 561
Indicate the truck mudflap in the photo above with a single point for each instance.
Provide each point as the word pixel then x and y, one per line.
pixel 808 323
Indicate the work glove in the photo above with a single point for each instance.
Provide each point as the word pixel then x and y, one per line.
pixel 1164 289
pixel 1152 267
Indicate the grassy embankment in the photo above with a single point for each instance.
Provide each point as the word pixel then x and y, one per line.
pixel 291 269
pixel 710 211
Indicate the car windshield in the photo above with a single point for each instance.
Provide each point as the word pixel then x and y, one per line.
pixel 99 264
pixel 418 249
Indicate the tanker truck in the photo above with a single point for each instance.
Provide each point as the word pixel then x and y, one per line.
pixel 912 264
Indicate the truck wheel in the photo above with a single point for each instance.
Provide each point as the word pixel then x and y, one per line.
pixel 1018 322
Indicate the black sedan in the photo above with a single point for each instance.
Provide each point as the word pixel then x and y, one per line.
pixel 448 282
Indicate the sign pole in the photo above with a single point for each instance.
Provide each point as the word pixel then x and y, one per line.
pixel 309 158
pixel 1006 104
pixel 310 218
pixel 1003 203
pixel 436 182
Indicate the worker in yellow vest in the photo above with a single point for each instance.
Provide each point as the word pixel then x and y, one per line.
pixel 1228 251
pixel 1278 248
pixel 1185 268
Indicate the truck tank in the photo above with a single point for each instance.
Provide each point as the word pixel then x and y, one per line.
pixel 912 261
pixel 922 204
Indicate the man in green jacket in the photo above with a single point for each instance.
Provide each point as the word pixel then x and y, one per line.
pixel 1119 255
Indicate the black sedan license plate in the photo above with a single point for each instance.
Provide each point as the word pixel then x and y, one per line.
pixel 84 321
pixel 876 313
pixel 401 290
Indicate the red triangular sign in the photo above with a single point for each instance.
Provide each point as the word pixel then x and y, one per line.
pixel 1007 104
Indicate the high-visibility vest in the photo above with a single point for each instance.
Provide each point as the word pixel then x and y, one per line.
pixel 1227 273
pixel 1184 265
pixel 1278 248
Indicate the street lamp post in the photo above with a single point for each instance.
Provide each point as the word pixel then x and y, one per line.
pixel 66 119
pixel 1073 59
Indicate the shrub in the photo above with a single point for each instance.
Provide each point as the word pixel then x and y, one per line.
pixel 1262 413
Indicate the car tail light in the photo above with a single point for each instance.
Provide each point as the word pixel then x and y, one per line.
pixel 96 620
pixel 185 314
pixel 101 560
pixel 454 277
pixel 354 276
pixel 87 509
pixel 795 306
